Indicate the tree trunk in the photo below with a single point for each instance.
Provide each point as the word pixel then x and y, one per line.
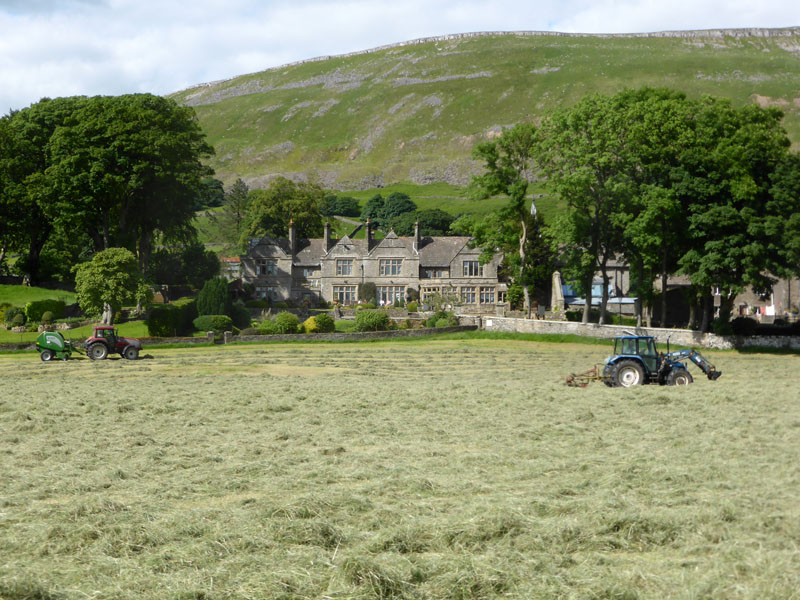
pixel 663 297
pixel 604 294
pixel 587 308
pixel 108 314
pixel 523 238
pixel 648 316
pixel 527 301
pixel 708 304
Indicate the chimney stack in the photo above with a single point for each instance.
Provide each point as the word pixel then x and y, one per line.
pixel 369 236
pixel 416 236
pixel 292 238
pixel 327 235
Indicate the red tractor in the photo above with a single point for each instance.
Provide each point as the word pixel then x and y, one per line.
pixel 105 340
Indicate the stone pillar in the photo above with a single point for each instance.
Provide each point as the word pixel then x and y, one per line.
pixel 327 236
pixel 210 337
pixel 228 337
pixel 557 294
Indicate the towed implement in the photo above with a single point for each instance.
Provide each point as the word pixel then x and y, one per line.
pixel 51 344
pixel 636 362
pixel 103 341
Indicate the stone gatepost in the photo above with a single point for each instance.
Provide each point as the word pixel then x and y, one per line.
pixel 210 337
pixel 227 337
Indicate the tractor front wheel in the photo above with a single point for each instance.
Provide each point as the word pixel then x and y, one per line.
pixel 131 352
pixel 628 373
pixel 679 377
pixel 47 355
pixel 97 351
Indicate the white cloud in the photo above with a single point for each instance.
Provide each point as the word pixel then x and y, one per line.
pixel 65 47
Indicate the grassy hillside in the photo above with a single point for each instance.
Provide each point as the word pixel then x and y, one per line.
pixel 413 112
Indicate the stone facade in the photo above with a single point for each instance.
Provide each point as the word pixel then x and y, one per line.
pixel 331 269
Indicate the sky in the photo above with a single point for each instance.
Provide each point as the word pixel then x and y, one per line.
pixel 51 48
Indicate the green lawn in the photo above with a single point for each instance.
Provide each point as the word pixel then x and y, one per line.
pixel 20 295
pixel 449 469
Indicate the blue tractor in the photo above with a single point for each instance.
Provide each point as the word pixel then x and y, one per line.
pixel 636 362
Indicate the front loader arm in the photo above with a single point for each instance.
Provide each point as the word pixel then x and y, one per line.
pixel 703 364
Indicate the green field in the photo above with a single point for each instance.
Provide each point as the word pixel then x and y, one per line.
pixel 460 469
pixel 20 295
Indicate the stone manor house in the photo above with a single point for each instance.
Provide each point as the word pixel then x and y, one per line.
pixel 331 269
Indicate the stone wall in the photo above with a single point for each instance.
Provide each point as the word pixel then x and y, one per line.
pixel 683 337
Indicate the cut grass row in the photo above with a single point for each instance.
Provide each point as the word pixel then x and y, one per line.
pixel 433 469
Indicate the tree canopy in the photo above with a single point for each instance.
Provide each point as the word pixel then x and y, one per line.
pixel 107 282
pixel 270 210
pixel 86 174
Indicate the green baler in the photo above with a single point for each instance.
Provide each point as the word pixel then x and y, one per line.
pixel 51 344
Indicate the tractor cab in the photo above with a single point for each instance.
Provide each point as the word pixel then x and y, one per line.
pixel 639 347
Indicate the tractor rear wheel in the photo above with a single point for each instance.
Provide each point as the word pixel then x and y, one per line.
pixel 130 352
pixel 679 377
pixel 97 351
pixel 47 355
pixel 628 373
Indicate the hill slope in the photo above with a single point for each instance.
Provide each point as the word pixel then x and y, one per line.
pixel 412 112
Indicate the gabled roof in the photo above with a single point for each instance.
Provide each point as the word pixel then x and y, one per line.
pixel 310 252
pixel 439 251
pixel 392 241
pixel 358 247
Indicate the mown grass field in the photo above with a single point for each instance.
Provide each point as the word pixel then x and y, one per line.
pixel 439 469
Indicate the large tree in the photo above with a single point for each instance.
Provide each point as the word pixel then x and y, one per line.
pixel 28 193
pixel 508 161
pixel 732 210
pixel 126 168
pixel 108 282
pixel 270 210
pixel 585 159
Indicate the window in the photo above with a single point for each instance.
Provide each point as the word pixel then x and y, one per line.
pixel 501 297
pixel 267 291
pixel 468 295
pixel 434 273
pixel 487 295
pixel 391 266
pixel 344 266
pixel 472 268
pixel 345 294
pixel 427 292
pixel 387 294
pixel 308 272
pixel 266 266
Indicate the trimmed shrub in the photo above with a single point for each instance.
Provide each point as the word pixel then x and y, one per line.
pixel 367 292
pixel 286 322
pixel 412 306
pixel 214 298
pixel 35 310
pixel 325 323
pixel 267 328
pixel 47 317
pixel 257 304
pixel 11 313
pixel 215 323
pixel 18 320
pixel 744 326
pixel 372 320
pixel 367 306
pixel 442 318
pixel 310 325
pixel 321 323
pixel 240 316
pixel 165 320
